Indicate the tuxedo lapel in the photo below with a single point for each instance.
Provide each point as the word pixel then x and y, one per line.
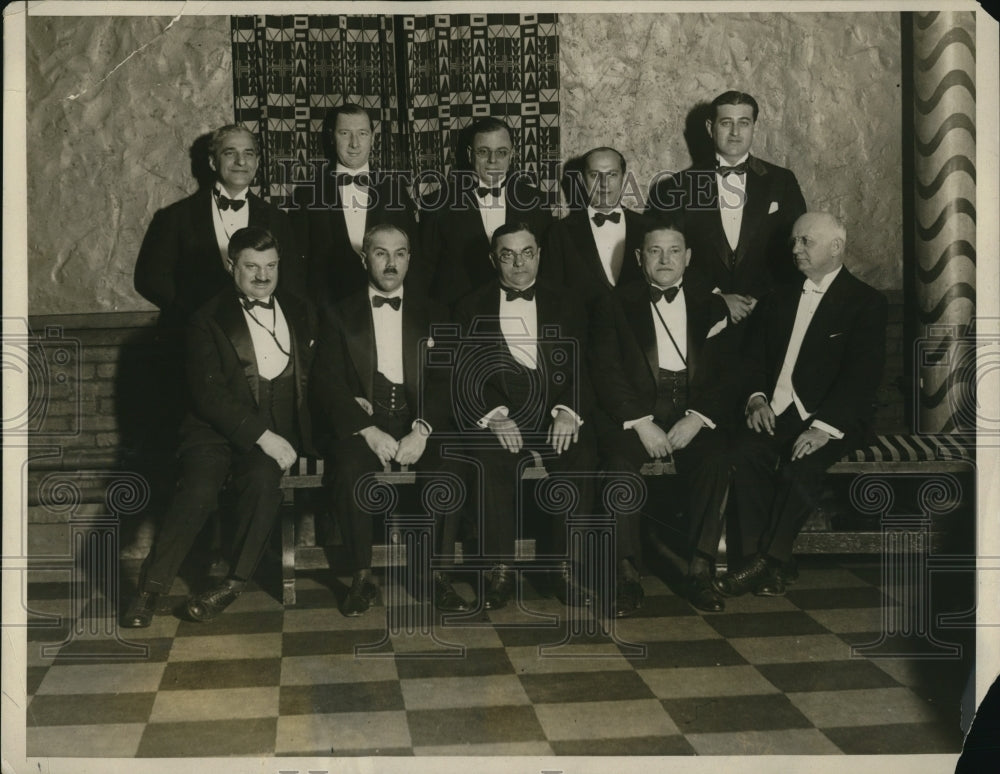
pixel 826 319
pixel 415 328
pixel 202 225
pixel 755 206
pixel 359 330
pixel 297 330
pixel 586 247
pixel 231 321
pixel 639 315
pixel 719 243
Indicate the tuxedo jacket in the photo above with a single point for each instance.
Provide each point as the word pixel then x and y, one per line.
pixel 624 361
pixel 456 251
pixel 334 269
pixel 839 366
pixel 762 258
pixel 179 266
pixel 572 261
pixel 485 360
pixel 346 364
pixel 222 376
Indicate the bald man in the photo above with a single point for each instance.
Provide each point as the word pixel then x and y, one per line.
pixel 813 363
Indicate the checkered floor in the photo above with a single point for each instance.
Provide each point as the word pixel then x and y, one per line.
pixel 770 676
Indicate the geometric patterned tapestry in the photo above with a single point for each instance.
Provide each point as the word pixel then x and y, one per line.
pixel 287 70
pixel 423 78
pixel 462 67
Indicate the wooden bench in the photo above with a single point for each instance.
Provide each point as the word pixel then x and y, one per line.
pixel 889 454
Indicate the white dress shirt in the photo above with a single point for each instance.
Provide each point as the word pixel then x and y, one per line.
pixel 610 240
pixel 269 335
pixel 388 325
pixel 228 222
pixel 732 190
pixel 492 209
pixel 784 391
pixel 355 204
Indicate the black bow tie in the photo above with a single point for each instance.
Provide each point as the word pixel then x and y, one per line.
pixel 655 293
pixel 739 169
pixel 394 302
pixel 361 180
pixel 600 217
pixel 250 303
pixel 483 192
pixel 528 294
pixel 225 202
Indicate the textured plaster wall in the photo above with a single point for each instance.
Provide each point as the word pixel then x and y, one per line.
pixel 828 85
pixel 109 143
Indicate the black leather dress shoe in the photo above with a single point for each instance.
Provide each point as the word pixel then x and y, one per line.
pixel 446 599
pixel 208 604
pixel 500 590
pixel 567 589
pixel 628 597
pixel 757 576
pixel 140 612
pixel 702 594
pixel 363 593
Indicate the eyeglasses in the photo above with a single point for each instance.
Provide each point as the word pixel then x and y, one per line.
pixel 500 154
pixel 508 256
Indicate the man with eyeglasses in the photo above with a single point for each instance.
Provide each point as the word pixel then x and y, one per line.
pixel 813 362
pixel 375 405
pixel 336 213
pixel 738 211
pixel 590 250
pixel 520 386
pixel 458 221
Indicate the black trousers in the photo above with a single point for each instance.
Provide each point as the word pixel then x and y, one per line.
pixel 704 469
pixel 501 510
pixel 255 480
pixel 349 459
pixel 774 494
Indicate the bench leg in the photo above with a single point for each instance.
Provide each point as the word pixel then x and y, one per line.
pixel 287 555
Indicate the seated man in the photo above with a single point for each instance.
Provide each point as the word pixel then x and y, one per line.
pixel 812 367
pixel 248 355
pixel 520 372
pixel 367 393
pixel 658 384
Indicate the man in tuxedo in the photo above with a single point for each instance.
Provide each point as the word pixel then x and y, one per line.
pixel 375 405
pixel 184 258
pixel 349 199
pixel 813 363
pixel 657 379
pixel 738 213
pixel 461 217
pixel 248 354
pixel 590 250
pixel 521 381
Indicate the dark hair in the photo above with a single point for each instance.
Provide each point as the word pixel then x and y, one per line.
pixel 330 125
pixel 251 238
pixel 602 149
pixel 734 98
pixel 487 125
pixel 215 141
pixel 510 228
pixel 662 221
pixel 381 228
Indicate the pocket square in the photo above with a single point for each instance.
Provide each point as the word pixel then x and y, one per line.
pixel 834 335
pixel 773 208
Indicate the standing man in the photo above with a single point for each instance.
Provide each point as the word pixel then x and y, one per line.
pixel 590 250
pixel 248 354
pixel 372 404
pixel 347 203
pixel 184 259
pixel 738 216
pixel 657 379
pixel 521 372
pixel 813 364
pixel 462 217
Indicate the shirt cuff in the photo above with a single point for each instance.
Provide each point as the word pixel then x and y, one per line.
pixel 501 411
pixel 708 422
pixel 832 431
pixel 422 423
pixel 746 406
pixel 633 422
pixel 569 411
